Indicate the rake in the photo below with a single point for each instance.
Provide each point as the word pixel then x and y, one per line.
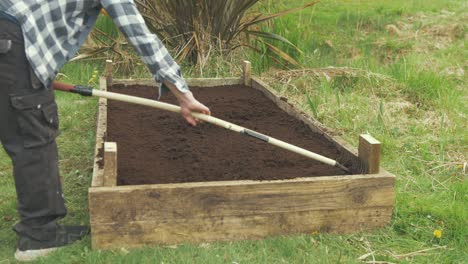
pixel 87 91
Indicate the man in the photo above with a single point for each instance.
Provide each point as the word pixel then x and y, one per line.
pixel 37 37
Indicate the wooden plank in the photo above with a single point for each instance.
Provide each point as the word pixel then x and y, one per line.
pixel 210 82
pixel 348 154
pixel 101 130
pixel 228 228
pixel 247 73
pixel 161 202
pixel 127 82
pixel 110 164
pixel 369 152
pixel 192 82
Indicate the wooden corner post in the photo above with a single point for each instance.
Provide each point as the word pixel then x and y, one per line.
pixel 247 73
pixel 110 164
pixel 369 152
pixel 108 73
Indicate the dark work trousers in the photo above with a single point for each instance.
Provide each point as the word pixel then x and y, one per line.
pixel 28 128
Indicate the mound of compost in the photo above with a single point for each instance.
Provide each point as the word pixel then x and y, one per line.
pixel 155 146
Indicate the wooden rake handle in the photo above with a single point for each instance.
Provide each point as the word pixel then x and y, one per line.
pixel 86 91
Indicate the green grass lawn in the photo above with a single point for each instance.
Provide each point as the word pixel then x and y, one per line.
pixel 399 73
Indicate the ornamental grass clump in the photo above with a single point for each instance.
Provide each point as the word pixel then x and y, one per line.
pixel 196 30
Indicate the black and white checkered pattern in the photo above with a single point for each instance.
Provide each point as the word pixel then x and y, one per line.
pixel 55 29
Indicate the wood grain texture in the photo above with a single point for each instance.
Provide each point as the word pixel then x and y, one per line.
pixel 209 82
pixel 101 128
pixel 170 201
pixel 146 82
pixel 192 82
pixel 228 228
pixel 110 164
pixel 247 73
pixel 109 71
pixel 169 208
pixel 369 152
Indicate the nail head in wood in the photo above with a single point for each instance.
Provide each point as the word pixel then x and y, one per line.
pixel 369 152
pixel 247 70
pixel 110 164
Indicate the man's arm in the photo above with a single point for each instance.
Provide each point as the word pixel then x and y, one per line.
pixel 188 103
pixel 163 67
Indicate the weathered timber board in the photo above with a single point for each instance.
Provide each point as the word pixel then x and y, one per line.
pixel 190 81
pixel 239 198
pixel 196 212
pixel 101 128
pixel 255 226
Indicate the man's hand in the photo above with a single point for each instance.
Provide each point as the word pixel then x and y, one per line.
pixel 188 104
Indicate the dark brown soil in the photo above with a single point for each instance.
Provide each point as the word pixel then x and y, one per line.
pixel 156 146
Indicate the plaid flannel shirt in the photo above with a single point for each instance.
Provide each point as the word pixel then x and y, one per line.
pixel 54 30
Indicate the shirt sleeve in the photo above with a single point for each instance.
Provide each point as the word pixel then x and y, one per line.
pixel 128 19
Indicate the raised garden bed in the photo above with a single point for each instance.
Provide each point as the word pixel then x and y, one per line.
pixel 171 183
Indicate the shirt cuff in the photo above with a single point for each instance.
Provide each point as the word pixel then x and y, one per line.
pixel 175 78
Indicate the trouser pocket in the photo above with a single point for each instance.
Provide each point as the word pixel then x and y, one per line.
pixel 37 117
pixel 5 46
